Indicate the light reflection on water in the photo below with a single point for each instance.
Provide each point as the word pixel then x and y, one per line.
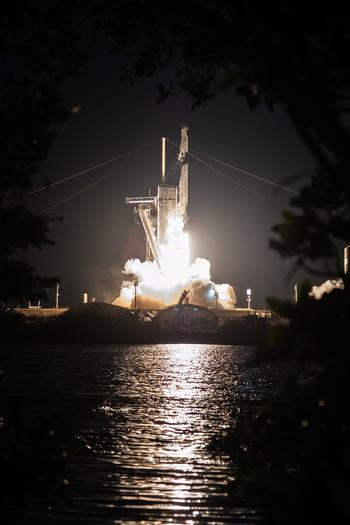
pixel 170 407
pixel 149 413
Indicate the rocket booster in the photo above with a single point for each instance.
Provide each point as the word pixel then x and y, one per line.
pixel 182 205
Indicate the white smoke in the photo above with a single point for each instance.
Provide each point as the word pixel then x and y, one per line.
pixel 157 288
pixel 326 287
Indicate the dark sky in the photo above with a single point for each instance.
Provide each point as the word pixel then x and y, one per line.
pixel 228 225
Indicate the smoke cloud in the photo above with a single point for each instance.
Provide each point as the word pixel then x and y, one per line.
pixel 326 287
pixel 157 288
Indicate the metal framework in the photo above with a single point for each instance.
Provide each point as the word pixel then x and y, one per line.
pixel 171 202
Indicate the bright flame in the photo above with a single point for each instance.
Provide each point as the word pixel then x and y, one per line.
pixel 158 288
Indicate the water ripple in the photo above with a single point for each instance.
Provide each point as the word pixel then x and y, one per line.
pixel 148 413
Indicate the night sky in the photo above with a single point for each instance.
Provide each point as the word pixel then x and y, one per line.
pixel 228 225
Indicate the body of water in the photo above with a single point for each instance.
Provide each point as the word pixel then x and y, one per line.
pixel 147 414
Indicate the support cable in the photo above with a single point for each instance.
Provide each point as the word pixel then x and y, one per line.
pixel 262 179
pixel 46 187
pixel 63 201
pixel 229 179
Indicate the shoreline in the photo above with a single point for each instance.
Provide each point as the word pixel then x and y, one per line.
pixel 101 323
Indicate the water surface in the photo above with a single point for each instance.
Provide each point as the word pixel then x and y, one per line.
pixel 148 413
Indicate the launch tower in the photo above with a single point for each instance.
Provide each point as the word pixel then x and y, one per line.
pixel 169 206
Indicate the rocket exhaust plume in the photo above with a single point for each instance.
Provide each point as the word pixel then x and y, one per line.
pixel 158 288
pixel 167 270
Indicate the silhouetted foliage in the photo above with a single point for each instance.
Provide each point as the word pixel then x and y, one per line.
pixel 38 51
pixel 309 330
pixel 105 323
pixel 293 452
pixel 86 323
pixel 12 326
pixel 93 322
pixel 250 330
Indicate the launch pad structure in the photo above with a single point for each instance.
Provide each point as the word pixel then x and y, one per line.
pixel 170 204
pixel 165 221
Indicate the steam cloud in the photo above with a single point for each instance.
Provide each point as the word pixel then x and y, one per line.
pixel 157 289
pixel 326 287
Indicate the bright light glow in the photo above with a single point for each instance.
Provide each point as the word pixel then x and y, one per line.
pixel 165 442
pixel 162 287
pixel 249 292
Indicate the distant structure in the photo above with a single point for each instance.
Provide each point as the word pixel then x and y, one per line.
pixel 171 201
pixel 184 297
pixel 346 258
pixel 249 298
pixel 295 293
pixel 34 306
pixel 57 295
pixel 187 318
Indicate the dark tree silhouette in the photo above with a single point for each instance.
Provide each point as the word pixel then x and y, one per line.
pixel 38 51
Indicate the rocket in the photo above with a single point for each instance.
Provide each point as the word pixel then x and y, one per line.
pixel 182 204
pixel 171 202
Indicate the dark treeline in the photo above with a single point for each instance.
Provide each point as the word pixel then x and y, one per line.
pixel 89 327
